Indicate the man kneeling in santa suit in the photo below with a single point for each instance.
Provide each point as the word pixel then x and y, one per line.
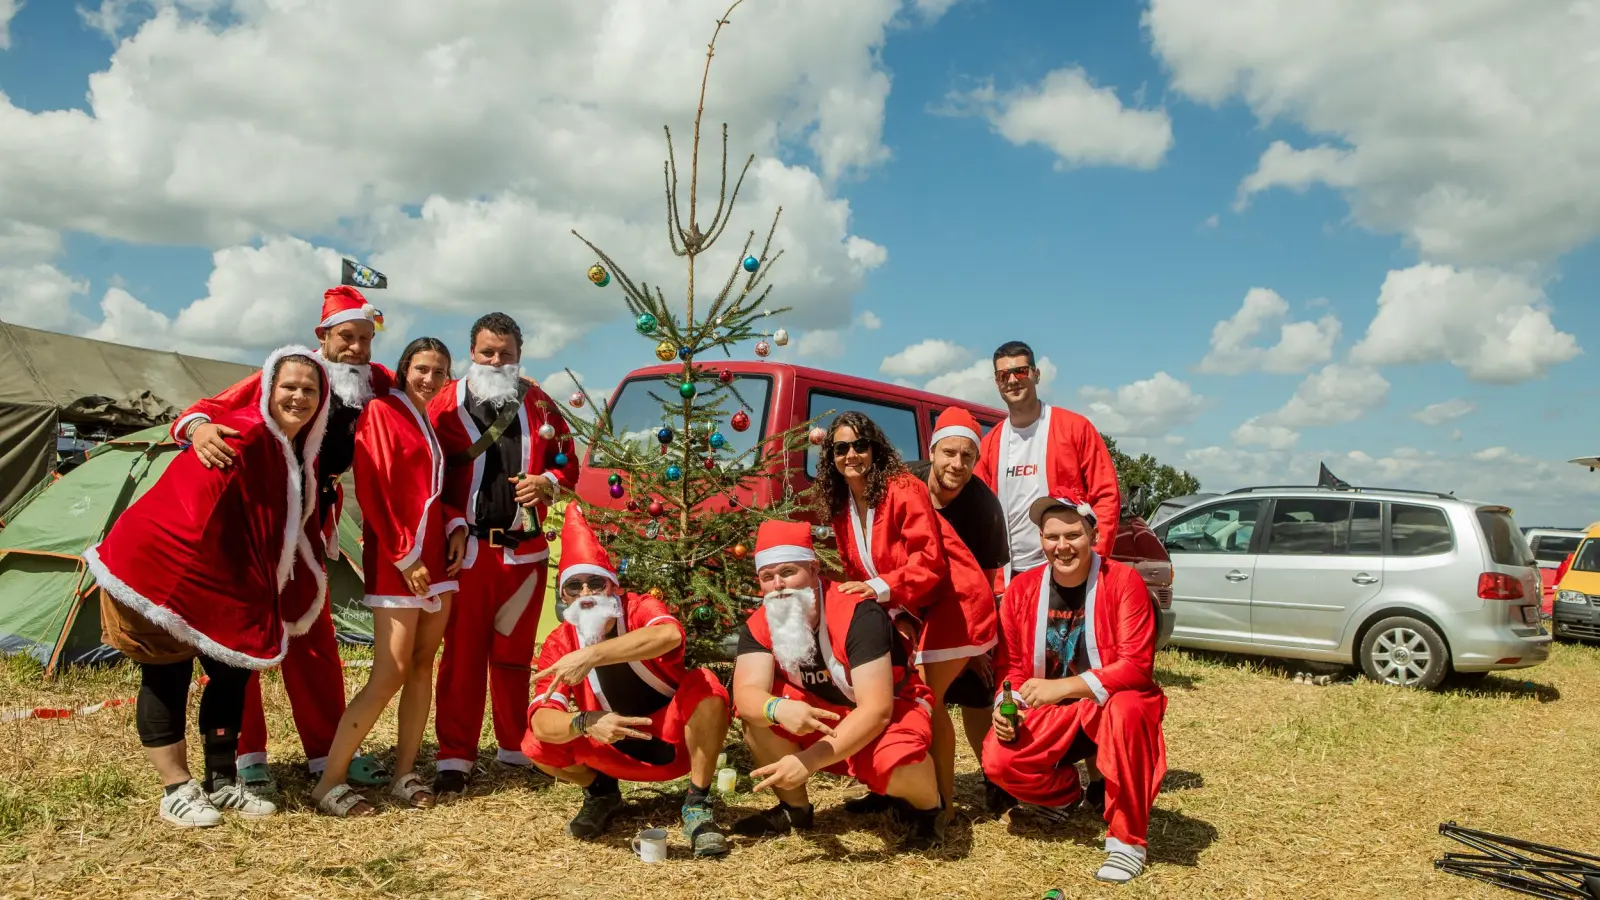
pixel 640 715
pixel 1077 643
pixel 823 681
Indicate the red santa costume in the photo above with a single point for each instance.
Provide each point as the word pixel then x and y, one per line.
pixel 962 623
pixel 313 675
pixel 851 630
pixel 1122 720
pixel 897 548
pixel 216 556
pixel 659 689
pixel 495 614
pixel 1059 455
pixel 399 471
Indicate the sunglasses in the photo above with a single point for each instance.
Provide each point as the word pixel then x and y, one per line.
pixel 575 587
pixel 1004 375
pixel 859 445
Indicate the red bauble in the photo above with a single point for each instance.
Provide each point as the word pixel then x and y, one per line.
pixel 633 506
pixel 711 462
pixel 656 509
pixel 740 420
pixel 739 551
pixel 725 376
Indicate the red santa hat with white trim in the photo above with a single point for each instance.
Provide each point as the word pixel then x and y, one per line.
pixel 783 542
pixel 346 304
pixel 581 553
pixel 956 422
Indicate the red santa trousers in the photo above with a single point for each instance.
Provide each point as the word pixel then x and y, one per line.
pixel 1131 754
pixel 666 723
pixel 486 633
pixel 313 677
pixel 904 742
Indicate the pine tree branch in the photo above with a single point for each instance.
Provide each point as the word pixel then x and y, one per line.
pixel 717 228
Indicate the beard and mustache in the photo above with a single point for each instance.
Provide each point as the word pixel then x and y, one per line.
pixel 495 385
pixel 350 382
pixel 591 614
pixel 792 624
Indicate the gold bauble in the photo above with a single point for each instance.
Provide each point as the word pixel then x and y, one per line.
pixel 665 351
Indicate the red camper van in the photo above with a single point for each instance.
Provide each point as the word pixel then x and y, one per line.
pixel 781 396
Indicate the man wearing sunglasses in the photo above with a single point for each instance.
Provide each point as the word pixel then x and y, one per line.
pixel 615 702
pixel 1043 451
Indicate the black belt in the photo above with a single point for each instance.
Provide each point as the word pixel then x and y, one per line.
pixel 501 537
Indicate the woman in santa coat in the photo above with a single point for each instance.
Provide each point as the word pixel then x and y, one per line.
pixel 203 565
pixel 887 530
pixel 399 469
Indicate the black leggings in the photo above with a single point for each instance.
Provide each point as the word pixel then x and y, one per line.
pixel 164 704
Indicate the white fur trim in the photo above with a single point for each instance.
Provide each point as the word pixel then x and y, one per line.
pixel 250 759
pixel 171 622
pixel 659 619
pixel 934 656
pixel 179 426
pixel 302 478
pixel 430 604
pixel 436 482
pixel 317 766
pixel 366 314
pixel 880 587
pixel 568 572
pixel 784 553
pixel 512 610
pixel 303 624
pixel 954 431
pixel 1101 695
pixel 514 757
pixel 841 676
pixel 454 765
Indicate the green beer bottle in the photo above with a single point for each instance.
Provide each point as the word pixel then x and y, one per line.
pixel 1008 707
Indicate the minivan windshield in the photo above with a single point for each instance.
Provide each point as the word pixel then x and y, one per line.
pixel 1507 546
pixel 636 414
pixel 1588 557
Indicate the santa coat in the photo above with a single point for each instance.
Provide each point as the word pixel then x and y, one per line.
pixel 963 623
pixel 639 611
pixel 896 549
pixel 211 554
pixel 399 471
pixel 457 431
pixel 1077 464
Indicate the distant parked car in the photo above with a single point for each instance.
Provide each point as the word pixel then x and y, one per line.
pixel 1551 546
pixel 1576 612
pixel 1406 585
pixel 1174 505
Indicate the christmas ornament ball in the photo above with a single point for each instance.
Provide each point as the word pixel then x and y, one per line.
pixel 599 275
pixel 657 593
pixel 560 460
pixel 763 348
pixel 674 473
pixel 686 390
pixel 781 337
pixel 656 509
pixel 750 264
pixel 665 436
pixel 817 436
pixel 547 431
pixel 550 534
pixel 717 441
pixel 646 323
pixel 633 506
pixel 576 400
pixel 664 351
pixel 740 420
pixel 711 462
pixel 683 353
pixel 725 376
pixel 616 492
pixel 733 502
pixel 613 479
pixel 703 614
pixel 740 551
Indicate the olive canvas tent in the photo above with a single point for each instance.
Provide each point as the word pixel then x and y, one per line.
pixel 49 602
pixel 53 378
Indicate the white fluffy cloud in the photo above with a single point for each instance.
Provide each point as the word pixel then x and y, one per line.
pixel 1493 325
pixel 1333 395
pixel 929 357
pixel 975 382
pixel 455 148
pixel 1254 433
pixel 829 343
pixel 33 292
pixel 1445 411
pixel 1147 408
pixel 1300 345
pixel 1472 128
pixel 8 9
pixel 1082 124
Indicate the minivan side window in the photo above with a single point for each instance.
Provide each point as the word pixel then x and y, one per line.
pixel 899 424
pixel 1221 528
pixel 1318 526
pixel 1553 548
pixel 1418 530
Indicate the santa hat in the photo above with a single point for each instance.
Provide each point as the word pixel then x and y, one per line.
pixel 955 422
pixel 783 542
pixel 581 553
pixel 346 304
pixel 1047 505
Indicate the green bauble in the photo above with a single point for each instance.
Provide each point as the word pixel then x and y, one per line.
pixel 686 390
pixel 646 323
pixel 703 614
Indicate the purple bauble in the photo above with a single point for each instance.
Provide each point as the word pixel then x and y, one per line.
pixel 616 492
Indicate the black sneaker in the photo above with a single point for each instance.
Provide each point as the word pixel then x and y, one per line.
pixel 449 781
pixel 700 827
pixel 925 830
pixel 1094 796
pixel 780 819
pixel 869 804
pixel 596 814
pixel 996 799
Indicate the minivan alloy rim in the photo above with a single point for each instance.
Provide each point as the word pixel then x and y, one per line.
pixel 1402 656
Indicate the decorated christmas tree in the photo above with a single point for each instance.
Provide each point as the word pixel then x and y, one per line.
pixel 681 533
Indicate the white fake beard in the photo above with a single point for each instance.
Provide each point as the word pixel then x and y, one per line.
pixel 495 385
pixel 791 621
pixel 590 614
pixel 350 382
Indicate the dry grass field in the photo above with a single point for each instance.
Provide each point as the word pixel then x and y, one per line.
pixel 1277 790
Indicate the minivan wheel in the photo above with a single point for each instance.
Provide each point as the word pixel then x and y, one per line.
pixel 1406 652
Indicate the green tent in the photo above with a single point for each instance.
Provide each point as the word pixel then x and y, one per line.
pixel 50 604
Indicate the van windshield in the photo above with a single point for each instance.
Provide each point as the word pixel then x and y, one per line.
pixel 1588 557
pixel 637 413
pixel 1507 546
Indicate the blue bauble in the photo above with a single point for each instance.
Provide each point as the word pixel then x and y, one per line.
pixel 717 440
pixel 674 473
pixel 622 566
pixel 683 353
pixel 561 460
pixel 664 436
pixel 751 264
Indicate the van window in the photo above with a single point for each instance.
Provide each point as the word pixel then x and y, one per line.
pixel 1317 526
pixel 1588 557
pixel 1418 530
pixel 899 423
pixel 1507 547
pixel 637 413
pixel 1553 548
pixel 1222 528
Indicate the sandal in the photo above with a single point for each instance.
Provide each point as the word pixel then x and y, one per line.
pixel 414 791
pixel 343 802
pixel 366 771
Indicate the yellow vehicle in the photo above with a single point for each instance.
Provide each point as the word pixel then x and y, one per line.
pixel 1576 610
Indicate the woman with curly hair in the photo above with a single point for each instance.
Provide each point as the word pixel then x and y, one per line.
pixel 886 527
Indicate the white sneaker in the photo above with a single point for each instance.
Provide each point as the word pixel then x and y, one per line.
pixel 1120 868
pixel 189 807
pixel 237 797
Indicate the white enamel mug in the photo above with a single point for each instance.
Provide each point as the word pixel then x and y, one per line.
pixel 650 845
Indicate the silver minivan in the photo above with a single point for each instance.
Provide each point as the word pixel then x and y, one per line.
pixel 1406 585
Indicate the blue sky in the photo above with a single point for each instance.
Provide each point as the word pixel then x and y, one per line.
pixel 1116 271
